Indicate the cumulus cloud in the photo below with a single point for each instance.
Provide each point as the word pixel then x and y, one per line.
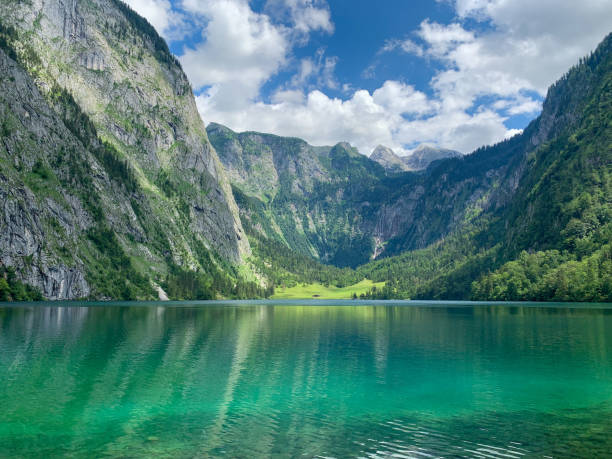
pixel 160 13
pixel 533 42
pixel 240 50
pixel 303 16
pixel 366 119
pixel 317 71
pixel 442 38
pixel 493 61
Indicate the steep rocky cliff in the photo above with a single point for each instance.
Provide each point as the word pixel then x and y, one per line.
pixel 41 219
pixel 317 200
pixel 115 102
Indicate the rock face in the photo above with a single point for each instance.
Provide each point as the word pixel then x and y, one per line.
pixel 424 155
pixel 323 193
pixel 315 199
pixel 388 159
pixel 120 74
pixel 34 227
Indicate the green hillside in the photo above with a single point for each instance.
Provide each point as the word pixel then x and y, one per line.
pixel 109 184
pixel 113 188
pixel 528 218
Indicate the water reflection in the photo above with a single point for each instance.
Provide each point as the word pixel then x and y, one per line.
pixel 292 380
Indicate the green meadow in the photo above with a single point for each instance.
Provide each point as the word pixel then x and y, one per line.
pixel 332 292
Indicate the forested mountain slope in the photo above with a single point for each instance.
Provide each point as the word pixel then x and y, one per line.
pixel 343 209
pixel 319 201
pixel 551 237
pixel 528 218
pixel 109 184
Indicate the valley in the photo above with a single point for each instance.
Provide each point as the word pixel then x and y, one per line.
pixel 113 188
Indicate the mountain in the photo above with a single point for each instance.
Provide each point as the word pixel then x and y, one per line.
pixel 419 160
pixel 547 235
pixel 111 187
pixel 528 218
pixel 346 213
pixel 343 208
pixel 424 155
pixel 109 184
pixel 388 159
pixel 316 200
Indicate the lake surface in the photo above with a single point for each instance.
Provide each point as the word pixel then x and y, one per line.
pixel 335 379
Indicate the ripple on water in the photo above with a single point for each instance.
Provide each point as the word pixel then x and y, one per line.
pixel 313 382
pixel 574 433
pixel 410 439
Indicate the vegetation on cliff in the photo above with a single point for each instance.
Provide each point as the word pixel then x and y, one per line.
pixel 545 238
pixel 112 187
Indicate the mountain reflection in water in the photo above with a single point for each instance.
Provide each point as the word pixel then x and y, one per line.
pixel 349 380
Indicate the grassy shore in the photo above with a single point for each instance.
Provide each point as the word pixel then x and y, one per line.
pixel 302 291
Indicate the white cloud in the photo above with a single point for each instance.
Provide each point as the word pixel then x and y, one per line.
pixel 167 21
pixel 242 49
pixel 536 42
pixel 239 52
pixel 406 45
pixel 441 38
pixel 366 119
pixel 303 16
pixel 486 75
pixel 306 15
pixel 317 71
pixel 369 73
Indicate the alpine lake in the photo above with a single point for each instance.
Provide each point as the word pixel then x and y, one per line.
pixel 305 379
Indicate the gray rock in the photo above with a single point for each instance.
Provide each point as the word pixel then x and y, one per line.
pixel 424 155
pixel 388 159
pixel 140 101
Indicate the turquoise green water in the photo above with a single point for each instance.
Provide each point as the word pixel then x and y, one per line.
pixel 330 381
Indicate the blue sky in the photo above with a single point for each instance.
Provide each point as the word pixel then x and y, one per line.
pixel 453 73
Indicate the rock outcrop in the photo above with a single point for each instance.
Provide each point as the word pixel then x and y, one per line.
pixel 388 159
pixel 121 76
pixel 424 155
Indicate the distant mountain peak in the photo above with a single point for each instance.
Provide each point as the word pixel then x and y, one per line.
pixel 420 159
pixel 387 158
pixel 425 154
pixel 423 146
pixel 346 147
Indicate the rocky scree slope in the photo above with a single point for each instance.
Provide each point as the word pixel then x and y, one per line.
pixel 150 183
